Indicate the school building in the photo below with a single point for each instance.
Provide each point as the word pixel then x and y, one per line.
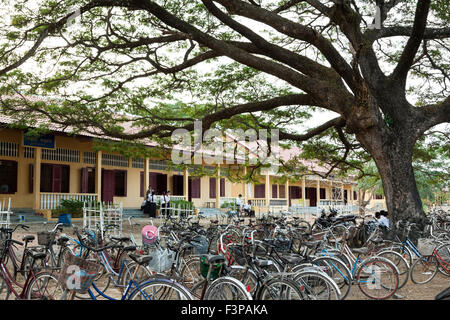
pixel 37 174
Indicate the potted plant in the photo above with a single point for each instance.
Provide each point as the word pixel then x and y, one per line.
pixel 67 210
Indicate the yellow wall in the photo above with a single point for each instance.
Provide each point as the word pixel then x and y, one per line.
pixel 23 199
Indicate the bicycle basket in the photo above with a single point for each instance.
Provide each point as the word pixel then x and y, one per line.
pixel 425 246
pixel 162 259
pixel 200 244
pixel 238 254
pixel 215 270
pixel 149 235
pixel 319 235
pixel 45 238
pixel 78 274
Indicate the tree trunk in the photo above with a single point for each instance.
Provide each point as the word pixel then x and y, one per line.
pixel 392 151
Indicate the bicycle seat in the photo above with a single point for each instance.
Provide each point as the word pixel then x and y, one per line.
pixel 362 250
pixel 38 255
pixel 28 238
pixel 141 260
pixel 214 258
pixel 62 240
pixel 214 221
pixel 312 244
pixel 121 239
pixel 291 259
pixel 129 248
pixel 377 240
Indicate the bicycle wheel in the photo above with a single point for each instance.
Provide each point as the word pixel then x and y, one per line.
pixel 317 285
pixel 190 272
pixel 403 250
pixel 4 289
pixel 401 264
pixel 377 278
pixel 424 269
pixel 142 273
pixel 443 251
pixel 160 289
pixel 338 271
pixel 246 276
pixel 227 288
pixel 280 289
pixel 44 286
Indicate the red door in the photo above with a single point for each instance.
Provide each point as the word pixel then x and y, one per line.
pixel 108 185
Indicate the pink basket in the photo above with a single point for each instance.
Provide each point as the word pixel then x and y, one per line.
pixel 149 235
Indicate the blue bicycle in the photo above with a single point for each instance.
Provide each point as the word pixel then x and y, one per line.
pixel 133 279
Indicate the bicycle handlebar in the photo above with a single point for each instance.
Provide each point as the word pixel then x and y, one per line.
pixel 80 238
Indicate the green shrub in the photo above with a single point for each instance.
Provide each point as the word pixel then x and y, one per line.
pixel 72 207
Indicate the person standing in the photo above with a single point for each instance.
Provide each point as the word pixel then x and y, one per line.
pixel 239 204
pixel 152 199
pixel 165 203
pixel 147 203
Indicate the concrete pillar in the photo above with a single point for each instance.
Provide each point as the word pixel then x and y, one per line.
pixel 146 174
pixel 37 179
pixel 98 176
pixel 318 192
pixel 186 184
pixel 304 191
pixel 268 191
pixel 244 187
pixel 218 187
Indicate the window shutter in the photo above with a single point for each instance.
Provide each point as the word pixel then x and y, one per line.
pixel 222 187
pixel 212 188
pixel 84 180
pixel 56 178
pixel 282 191
pixel 31 178
pixel 196 188
pixel 141 192
pixel 260 191
pixel 125 183
pixel 274 191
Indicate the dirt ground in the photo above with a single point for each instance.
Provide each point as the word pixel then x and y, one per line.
pixel 410 291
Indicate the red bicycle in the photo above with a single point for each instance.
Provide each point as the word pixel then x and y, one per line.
pixel 38 285
pixel 425 268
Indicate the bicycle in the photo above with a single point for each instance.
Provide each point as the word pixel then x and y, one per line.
pixel 38 285
pixel 134 288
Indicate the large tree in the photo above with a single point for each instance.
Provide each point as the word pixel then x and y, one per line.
pixel 236 63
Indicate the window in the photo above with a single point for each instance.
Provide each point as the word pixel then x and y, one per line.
pixel 55 178
pixel 195 187
pixel 295 192
pixel 138 163
pixel 28 152
pixel 8 176
pixel 222 187
pixel 59 154
pixel 274 191
pixel 322 193
pixel 9 149
pixel 378 196
pixel 355 195
pixel 120 183
pixel 89 157
pixel 260 190
pixel 212 188
pixel 282 191
pixel 114 160
pixel 88 180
